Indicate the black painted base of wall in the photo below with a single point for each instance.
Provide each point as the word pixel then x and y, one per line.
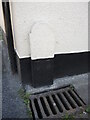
pixel 24 70
pixel 42 72
pixel 71 64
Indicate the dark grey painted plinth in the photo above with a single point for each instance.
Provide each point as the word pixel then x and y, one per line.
pixel 42 72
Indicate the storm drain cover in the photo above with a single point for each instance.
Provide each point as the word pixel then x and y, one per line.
pixel 56 103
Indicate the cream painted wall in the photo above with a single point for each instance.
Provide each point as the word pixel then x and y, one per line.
pixel 68 21
pixel 42 41
pixel 1 17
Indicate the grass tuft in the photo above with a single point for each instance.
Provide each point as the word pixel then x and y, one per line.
pixel 25 96
pixel 72 87
pixel 1 34
pixel 88 109
pixel 68 117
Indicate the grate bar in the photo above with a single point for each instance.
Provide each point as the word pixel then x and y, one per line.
pixel 44 106
pixel 59 104
pixel 51 105
pixel 41 108
pixel 34 109
pixel 72 99
pixel 54 105
pixel 38 108
pixel 49 109
pixel 66 104
pixel 69 99
pixel 83 103
pixel 75 97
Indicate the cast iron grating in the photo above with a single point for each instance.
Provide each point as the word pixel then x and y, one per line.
pixel 56 103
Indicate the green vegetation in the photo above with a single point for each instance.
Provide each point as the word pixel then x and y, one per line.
pixel 1 36
pixel 72 87
pixel 68 117
pixel 29 113
pixel 25 96
pixel 88 109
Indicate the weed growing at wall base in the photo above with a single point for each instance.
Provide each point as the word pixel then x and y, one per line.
pixel 25 96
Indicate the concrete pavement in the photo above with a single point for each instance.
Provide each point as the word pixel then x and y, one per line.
pixel 0 79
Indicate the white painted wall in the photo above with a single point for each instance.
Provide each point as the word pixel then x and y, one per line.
pixel 68 21
pixel 41 41
pixel 1 17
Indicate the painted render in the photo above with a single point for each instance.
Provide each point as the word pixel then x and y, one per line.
pixel 66 28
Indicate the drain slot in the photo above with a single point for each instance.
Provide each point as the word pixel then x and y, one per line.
pixel 63 101
pixel 69 100
pixel 51 105
pixel 79 97
pixel 32 109
pixel 57 103
pixel 38 109
pixel 75 98
pixel 44 107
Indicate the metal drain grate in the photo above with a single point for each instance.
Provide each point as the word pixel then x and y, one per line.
pixel 56 103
